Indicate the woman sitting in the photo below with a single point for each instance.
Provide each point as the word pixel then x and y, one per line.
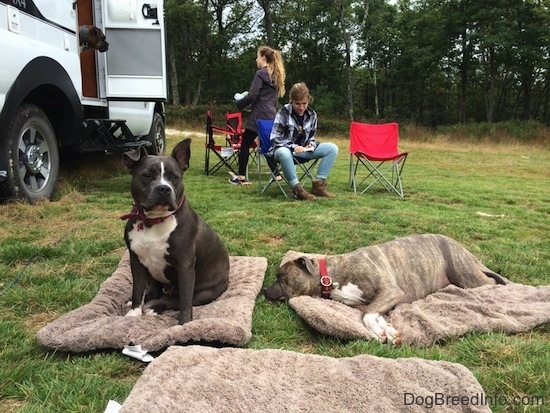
pixel 293 135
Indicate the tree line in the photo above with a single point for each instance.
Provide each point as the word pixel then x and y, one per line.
pixel 433 62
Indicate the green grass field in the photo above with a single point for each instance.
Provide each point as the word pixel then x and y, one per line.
pixel 495 200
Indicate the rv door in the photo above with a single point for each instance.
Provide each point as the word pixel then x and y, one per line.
pixel 135 64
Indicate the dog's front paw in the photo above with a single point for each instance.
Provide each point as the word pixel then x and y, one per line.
pixel 150 311
pixel 158 306
pixel 381 330
pixel 134 312
pixel 370 320
pixel 392 335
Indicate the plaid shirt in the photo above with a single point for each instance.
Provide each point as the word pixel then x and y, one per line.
pixel 286 129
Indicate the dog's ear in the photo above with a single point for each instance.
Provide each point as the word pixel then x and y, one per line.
pixel 95 33
pixel 182 154
pixel 306 264
pixel 130 158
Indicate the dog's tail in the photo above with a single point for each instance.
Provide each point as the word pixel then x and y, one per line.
pixel 495 276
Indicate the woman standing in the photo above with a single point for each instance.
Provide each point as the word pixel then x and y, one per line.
pixel 268 84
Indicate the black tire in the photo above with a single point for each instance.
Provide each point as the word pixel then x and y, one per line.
pixel 31 151
pixel 157 136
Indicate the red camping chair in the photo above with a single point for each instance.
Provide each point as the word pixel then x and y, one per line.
pixel 226 154
pixel 376 148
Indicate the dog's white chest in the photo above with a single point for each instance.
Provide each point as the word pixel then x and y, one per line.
pixel 349 294
pixel 151 245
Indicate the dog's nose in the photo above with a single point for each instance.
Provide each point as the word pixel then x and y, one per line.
pixel 264 290
pixel 164 189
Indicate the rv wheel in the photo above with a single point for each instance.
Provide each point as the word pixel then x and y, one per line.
pixel 32 155
pixel 157 136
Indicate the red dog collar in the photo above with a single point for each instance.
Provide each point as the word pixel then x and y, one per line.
pixel 136 213
pixel 326 281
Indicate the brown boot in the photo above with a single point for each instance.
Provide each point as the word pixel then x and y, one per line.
pixel 319 188
pixel 302 194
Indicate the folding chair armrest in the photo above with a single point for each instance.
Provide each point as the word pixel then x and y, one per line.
pixel 221 130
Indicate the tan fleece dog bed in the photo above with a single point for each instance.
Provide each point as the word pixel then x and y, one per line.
pixel 450 312
pixel 102 324
pixel 199 379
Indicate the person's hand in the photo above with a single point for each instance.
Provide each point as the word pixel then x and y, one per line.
pixel 302 149
pixel 239 96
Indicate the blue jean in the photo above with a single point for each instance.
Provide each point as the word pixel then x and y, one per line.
pixel 326 151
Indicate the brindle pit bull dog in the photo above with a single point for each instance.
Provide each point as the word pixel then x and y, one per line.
pixel 375 279
pixel 174 254
pixel 92 38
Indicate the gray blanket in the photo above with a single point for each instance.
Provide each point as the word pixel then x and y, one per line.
pixel 199 379
pixel 101 324
pixel 450 312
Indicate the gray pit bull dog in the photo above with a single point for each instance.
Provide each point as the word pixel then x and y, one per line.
pixel 177 260
pixel 375 279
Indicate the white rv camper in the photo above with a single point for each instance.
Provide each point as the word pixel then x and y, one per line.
pixel 55 97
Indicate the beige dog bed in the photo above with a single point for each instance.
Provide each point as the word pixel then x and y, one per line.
pixel 199 379
pixel 102 324
pixel 450 312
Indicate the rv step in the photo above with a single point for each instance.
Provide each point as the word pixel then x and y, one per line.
pixel 109 135
pixel 133 145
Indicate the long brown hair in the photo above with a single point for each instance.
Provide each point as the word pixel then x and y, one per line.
pixel 275 67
